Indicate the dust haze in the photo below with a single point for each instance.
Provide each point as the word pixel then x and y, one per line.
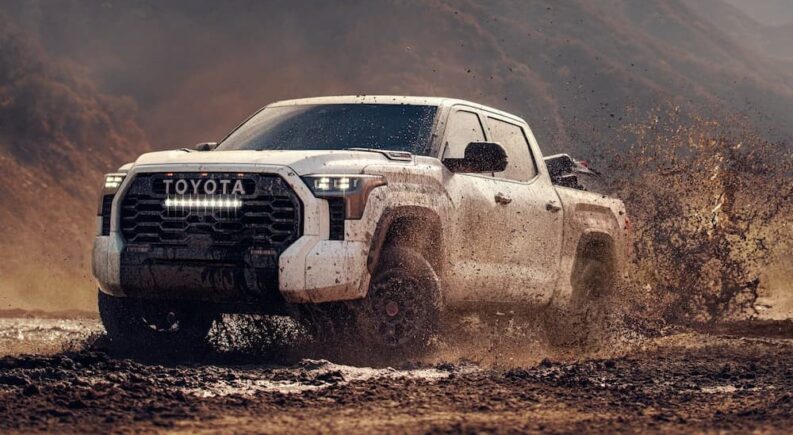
pixel 87 86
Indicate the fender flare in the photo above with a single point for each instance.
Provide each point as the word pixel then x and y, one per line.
pixel 387 218
pixel 595 236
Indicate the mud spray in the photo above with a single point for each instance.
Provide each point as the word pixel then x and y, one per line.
pixel 711 226
pixel 711 207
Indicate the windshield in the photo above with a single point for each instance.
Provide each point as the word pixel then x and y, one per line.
pixel 335 127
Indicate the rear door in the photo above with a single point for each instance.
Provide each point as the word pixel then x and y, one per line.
pixel 476 270
pixel 534 215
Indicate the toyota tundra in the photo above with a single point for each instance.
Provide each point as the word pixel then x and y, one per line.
pixel 364 215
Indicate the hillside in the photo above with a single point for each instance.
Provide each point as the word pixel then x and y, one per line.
pixel 770 12
pixel 57 135
pixel 766 40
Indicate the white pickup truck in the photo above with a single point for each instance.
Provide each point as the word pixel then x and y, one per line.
pixel 368 215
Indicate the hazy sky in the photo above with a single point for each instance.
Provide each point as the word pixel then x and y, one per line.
pixel 769 12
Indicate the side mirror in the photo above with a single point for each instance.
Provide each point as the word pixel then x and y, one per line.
pixel 479 157
pixel 206 146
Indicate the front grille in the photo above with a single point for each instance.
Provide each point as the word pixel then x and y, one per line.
pixel 269 217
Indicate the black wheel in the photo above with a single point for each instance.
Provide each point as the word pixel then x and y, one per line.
pixel 153 326
pixel 402 308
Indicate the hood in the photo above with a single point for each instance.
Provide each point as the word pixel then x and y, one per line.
pixel 302 162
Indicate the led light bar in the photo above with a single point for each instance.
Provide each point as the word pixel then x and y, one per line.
pixel 206 202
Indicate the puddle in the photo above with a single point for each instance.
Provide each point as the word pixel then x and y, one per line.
pixel 314 375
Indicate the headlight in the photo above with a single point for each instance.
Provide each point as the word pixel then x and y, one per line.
pixel 354 189
pixel 113 182
pixel 109 189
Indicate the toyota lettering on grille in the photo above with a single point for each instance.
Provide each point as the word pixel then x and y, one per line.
pixel 202 194
pixel 204 187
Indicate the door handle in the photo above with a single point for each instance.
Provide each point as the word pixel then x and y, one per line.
pixel 502 199
pixel 552 207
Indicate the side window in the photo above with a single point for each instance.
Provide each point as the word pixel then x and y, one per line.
pixel 461 129
pixel 520 164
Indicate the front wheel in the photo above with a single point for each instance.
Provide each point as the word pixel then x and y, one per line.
pixel 154 326
pixel 402 308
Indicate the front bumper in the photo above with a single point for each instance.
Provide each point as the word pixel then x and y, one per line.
pixel 312 269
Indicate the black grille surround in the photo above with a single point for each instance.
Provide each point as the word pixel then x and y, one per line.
pixel 226 257
pixel 337 215
pixel 270 216
pixel 107 205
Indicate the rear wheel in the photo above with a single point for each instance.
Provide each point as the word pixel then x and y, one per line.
pixel 593 285
pixel 584 321
pixel 153 326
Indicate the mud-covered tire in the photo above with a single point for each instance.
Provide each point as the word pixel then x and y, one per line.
pixel 596 284
pixel 401 310
pixel 583 320
pixel 129 330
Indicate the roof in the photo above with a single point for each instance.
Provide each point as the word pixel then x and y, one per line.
pixel 388 99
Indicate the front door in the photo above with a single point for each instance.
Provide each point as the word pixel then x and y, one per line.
pixel 476 270
pixel 535 217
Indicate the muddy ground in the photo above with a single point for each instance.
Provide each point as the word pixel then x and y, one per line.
pixel 735 377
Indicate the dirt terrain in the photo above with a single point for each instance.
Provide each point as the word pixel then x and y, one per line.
pixel 729 377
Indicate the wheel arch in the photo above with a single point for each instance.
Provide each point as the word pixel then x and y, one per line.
pixel 411 226
pixel 594 245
